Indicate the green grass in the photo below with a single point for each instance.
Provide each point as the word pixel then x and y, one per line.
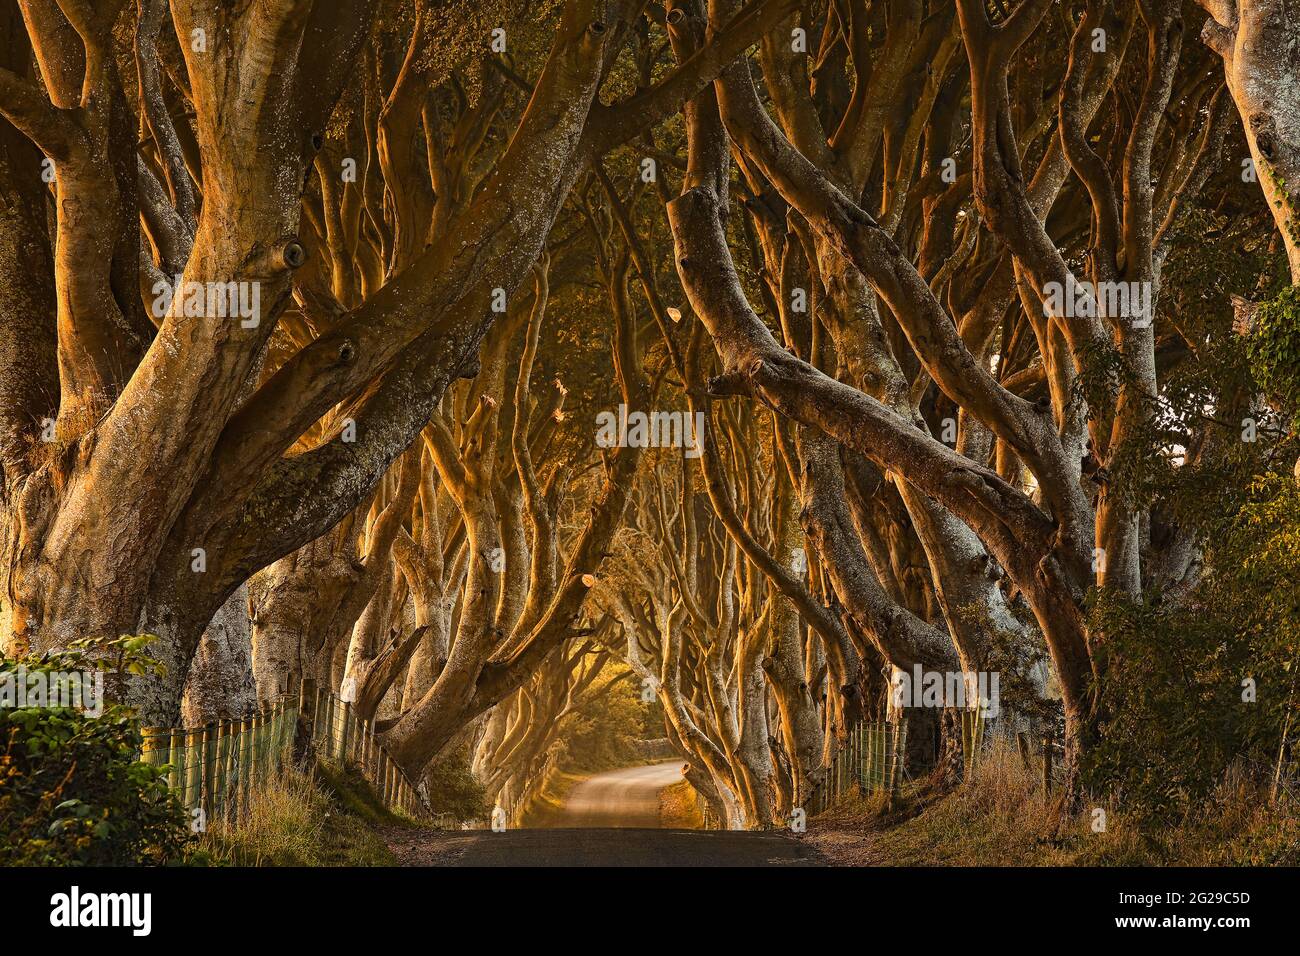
pixel 328 818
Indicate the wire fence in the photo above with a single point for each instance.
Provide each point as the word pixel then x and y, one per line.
pixel 868 761
pixel 218 768
pixel 338 733
pixel 214 769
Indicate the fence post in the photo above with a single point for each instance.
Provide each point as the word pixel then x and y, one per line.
pixel 835 773
pixel 263 738
pixel 891 744
pixel 245 739
pixel 268 742
pixel 288 717
pixel 273 721
pixel 153 745
pixel 175 757
pixel 880 756
pixel 232 768
pixel 305 726
pixel 226 761
pixel 1047 765
pixel 853 757
pixel 209 770
pixel 331 724
pixel 343 740
pixel 324 722
pixel 259 732
pixel 191 796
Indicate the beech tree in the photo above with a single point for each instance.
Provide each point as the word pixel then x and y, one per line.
pixel 311 314
pixel 173 441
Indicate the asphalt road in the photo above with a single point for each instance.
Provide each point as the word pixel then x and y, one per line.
pixel 620 798
pixel 610 846
pixel 611 819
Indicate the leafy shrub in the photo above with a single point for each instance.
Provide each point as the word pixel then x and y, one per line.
pixel 603 730
pixel 1275 347
pixel 73 791
pixel 1194 688
pixel 452 788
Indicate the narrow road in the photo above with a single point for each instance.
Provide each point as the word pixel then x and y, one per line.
pixel 603 846
pixel 620 798
pixel 611 819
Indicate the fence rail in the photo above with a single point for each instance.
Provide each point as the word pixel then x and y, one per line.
pixel 215 769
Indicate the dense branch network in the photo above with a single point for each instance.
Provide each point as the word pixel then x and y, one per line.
pixel 313 318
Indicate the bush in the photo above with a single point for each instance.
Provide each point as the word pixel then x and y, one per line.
pixel 1193 688
pixel 453 790
pixel 73 791
pixel 1275 347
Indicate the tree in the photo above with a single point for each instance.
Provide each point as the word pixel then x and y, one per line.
pixel 309 318
pixel 146 513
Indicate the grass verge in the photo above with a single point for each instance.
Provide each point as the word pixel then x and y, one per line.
pixel 679 807
pixel 1000 817
pixel 327 818
pixel 544 810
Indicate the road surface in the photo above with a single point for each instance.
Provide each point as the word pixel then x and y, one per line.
pixel 620 798
pixel 611 819
pixel 600 846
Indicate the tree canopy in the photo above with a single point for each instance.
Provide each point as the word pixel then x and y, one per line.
pixel 477 360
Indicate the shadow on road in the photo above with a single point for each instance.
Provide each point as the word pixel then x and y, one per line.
pixel 605 847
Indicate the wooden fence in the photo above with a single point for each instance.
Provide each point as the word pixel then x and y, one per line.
pixel 217 768
pixel 868 761
pixel 339 734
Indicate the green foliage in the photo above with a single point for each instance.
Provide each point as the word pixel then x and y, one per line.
pixel 603 730
pixel 452 788
pixel 1193 688
pixel 1275 348
pixel 73 790
pixel 1193 468
pixel 1184 455
pixel 1102 374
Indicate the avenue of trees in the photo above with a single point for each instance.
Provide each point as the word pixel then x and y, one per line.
pixel 971 327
